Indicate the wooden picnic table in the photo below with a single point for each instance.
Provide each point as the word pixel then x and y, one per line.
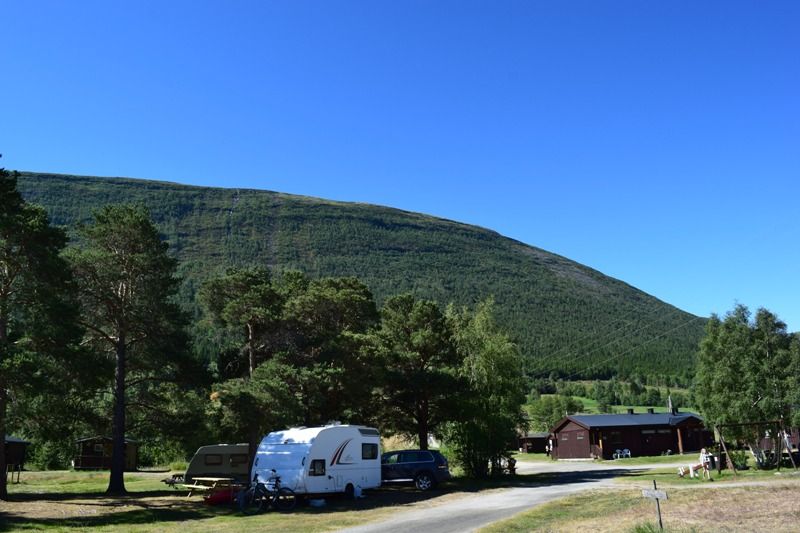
pixel 211 485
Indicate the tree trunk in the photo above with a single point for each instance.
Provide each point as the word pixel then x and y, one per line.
pixel 3 401
pixel 251 353
pixel 3 488
pixel 422 425
pixel 116 482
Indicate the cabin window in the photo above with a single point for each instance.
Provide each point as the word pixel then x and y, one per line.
pixel 648 432
pixel 317 467
pixel 579 435
pixel 238 459
pixel 214 459
pixel 565 436
pixel 665 431
pixel 369 451
pixel 98 448
pixel 615 437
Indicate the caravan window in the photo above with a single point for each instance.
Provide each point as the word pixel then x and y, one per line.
pixel 214 459
pixel 317 467
pixel 237 459
pixel 369 451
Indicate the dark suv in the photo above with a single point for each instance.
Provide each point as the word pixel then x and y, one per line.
pixel 425 468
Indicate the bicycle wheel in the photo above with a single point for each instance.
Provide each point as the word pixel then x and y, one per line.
pixel 252 500
pixel 285 500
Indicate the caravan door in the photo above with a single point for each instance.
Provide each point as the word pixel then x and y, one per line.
pixel 319 479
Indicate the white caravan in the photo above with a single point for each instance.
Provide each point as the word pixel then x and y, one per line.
pixel 334 458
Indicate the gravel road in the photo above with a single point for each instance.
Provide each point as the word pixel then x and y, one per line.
pixel 475 511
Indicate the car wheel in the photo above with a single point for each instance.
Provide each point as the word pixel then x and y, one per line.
pixel 424 481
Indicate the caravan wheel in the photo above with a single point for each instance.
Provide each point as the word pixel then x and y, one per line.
pixel 350 492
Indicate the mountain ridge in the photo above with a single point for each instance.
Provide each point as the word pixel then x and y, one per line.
pixel 394 250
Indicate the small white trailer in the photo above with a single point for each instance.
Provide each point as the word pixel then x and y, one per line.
pixel 320 460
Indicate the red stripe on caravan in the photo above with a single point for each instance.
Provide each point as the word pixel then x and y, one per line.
pixel 338 455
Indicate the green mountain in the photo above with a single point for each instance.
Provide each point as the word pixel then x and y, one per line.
pixel 566 317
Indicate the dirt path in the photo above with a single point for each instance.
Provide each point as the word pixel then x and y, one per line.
pixel 476 511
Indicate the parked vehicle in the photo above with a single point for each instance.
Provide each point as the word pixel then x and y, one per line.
pixel 320 460
pixel 424 468
pixel 216 460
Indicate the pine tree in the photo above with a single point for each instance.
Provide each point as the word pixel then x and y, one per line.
pixel 36 317
pixel 420 363
pixel 126 286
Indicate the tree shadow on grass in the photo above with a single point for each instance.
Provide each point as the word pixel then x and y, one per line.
pixel 93 510
pixel 133 517
pixel 66 496
pixel 89 510
pixel 543 479
pixel 168 506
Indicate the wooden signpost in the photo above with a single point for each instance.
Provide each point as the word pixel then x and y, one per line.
pixel 656 495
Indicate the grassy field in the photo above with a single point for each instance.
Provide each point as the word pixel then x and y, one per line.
pixel 654 459
pixel 74 501
pixel 531 457
pixel 702 508
pixel 590 407
pixel 669 476
pixel 66 501
pixel 589 404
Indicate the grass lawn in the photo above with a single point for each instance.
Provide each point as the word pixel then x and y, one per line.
pixel 66 501
pixel 74 501
pixel 689 509
pixel 589 405
pixel 669 476
pixel 531 457
pixel 653 459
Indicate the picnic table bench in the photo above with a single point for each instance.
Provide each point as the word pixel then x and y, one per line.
pixel 212 485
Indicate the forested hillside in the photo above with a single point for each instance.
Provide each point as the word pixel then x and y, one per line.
pixel 566 317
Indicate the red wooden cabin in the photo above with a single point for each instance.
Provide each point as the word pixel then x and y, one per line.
pixel 601 436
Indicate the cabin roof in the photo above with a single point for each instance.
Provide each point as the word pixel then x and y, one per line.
pixel 628 420
pixel 537 435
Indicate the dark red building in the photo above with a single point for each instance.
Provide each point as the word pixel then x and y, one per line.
pixel 94 453
pixel 15 452
pixel 533 442
pixel 601 436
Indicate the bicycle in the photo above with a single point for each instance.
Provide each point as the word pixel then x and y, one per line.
pixel 260 496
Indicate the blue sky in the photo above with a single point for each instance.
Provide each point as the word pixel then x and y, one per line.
pixel 658 142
